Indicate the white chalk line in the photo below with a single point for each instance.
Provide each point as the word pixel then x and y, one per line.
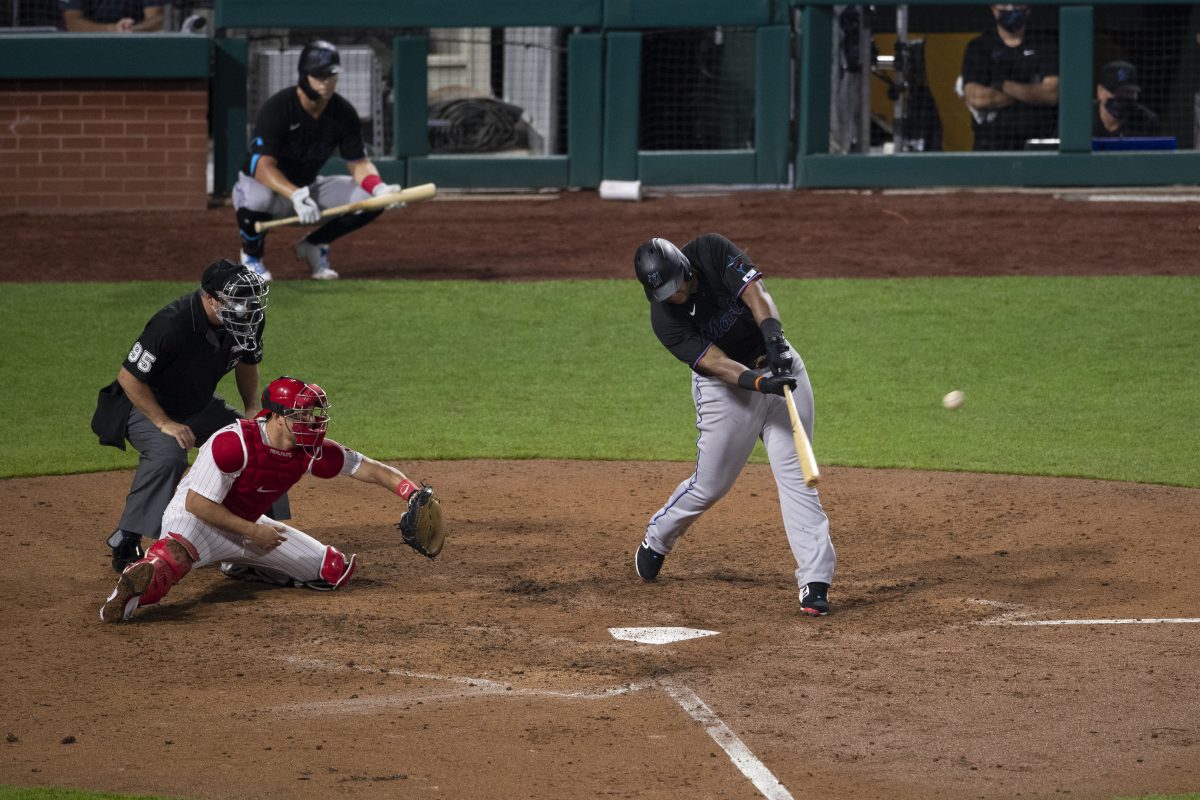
pixel 746 762
pixel 470 686
pixel 741 756
pixel 1142 621
pixel 1015 612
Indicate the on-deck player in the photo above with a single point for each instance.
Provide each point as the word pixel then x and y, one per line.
pixel 218 513
pixel 709 308
pixel 296 132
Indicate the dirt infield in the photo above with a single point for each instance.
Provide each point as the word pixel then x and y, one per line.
pixel 491 672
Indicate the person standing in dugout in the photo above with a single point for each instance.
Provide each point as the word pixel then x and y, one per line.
pixel 218 513
pixel 296 132
pixel 709 308
pixel 1010 82
pixel 163 400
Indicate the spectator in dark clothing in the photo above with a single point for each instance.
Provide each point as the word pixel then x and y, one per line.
pixel 114 16
pixel 1010 82
pixel 1116 112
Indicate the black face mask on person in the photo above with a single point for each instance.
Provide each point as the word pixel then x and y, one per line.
pixel 1013 19
pixel 1118 107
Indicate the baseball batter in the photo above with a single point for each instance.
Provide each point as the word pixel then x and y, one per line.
pixel 709 308
pixel 217 514
pixel 296 132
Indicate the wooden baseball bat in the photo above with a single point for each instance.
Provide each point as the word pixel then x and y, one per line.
pixel 808 462
pixel 409 195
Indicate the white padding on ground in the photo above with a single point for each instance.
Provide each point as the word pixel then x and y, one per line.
pixel 658 635
pixel 620 190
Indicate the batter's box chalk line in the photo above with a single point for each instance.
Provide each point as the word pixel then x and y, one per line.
pixel 1015 616
pixel 741 756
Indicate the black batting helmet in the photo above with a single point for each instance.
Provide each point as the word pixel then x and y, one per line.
pixel 319 58
pixel 661 268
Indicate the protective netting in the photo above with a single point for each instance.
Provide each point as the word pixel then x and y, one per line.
pixel 697 89
pixel 926 78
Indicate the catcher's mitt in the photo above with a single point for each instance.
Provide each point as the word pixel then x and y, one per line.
pixel 421 525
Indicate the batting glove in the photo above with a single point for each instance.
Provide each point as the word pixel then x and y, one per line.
pixel 387 188
pixel 306 207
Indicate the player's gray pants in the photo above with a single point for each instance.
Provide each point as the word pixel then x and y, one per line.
pixel 730 421
pixel 327 191
pixel 163 462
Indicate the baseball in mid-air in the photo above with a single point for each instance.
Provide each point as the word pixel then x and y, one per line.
pixel 954 399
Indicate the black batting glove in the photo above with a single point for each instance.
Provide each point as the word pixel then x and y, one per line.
pixel 765 383
pixel 778 349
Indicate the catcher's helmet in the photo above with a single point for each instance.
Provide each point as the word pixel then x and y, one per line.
pixel 242 297
pixel 661 268
pixel 303 406
pixel 319 58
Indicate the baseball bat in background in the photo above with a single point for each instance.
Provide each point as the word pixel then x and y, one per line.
pixel 808 462
pixel 412 194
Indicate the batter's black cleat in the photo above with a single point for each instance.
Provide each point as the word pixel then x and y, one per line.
pixel 647 562
pixel 126 549
pixel 814 600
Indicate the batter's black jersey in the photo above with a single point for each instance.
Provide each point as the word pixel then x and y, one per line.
pixel 182 357
pixel 715 314
pixel 300 144
pixel 988 61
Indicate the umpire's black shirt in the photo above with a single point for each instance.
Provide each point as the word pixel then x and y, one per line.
pixel 182 357
pixel 715 314
pixel 300 144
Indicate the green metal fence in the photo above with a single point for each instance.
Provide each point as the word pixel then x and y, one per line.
pixel 792 66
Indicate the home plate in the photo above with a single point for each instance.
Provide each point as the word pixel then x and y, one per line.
pixel 658 635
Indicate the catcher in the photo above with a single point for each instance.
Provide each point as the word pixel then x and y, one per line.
pixel 217 513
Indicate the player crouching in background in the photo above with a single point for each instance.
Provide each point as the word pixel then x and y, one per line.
pixel 217 513
pixel 296 132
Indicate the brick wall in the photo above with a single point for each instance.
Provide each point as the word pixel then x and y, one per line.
pixel 88 145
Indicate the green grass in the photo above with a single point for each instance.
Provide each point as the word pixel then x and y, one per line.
pixel 1092 377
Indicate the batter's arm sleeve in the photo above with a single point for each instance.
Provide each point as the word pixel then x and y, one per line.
pixel 247 379
pixel 351 147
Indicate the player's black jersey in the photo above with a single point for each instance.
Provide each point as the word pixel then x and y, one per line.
pixel 182 357
pixel 300 144
pixel 715 314
pixel 988 61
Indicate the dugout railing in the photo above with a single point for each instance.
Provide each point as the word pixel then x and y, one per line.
pixel 778 59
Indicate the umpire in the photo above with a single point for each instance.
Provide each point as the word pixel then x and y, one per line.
pixel 163 400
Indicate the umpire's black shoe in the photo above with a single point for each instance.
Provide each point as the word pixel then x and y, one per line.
pixel 814 600
pixel 647 562
pixel 126 549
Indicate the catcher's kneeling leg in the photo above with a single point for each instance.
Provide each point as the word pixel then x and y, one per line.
pixel 334 572
pixel 148 580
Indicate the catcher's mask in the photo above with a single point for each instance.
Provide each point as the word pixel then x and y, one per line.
pixel 241 297
pixel 661 268
pixel 304 408
pixel 320 59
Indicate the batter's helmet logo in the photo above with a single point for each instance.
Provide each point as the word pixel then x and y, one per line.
pixel 661 268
